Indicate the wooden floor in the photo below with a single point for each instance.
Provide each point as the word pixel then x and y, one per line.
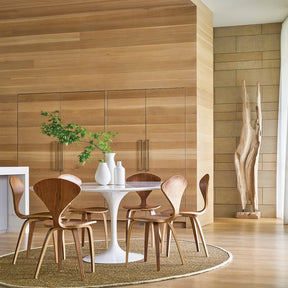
pixel 259 248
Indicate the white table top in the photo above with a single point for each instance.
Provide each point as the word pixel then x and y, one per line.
pixel 129 186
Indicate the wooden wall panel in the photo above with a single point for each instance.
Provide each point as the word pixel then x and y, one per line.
pixel 8 130
pixel 72 45
pixel 205 125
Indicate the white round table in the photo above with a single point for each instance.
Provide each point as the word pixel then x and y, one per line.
pixel 113 195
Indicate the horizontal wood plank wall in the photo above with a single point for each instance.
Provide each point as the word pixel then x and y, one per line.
pixel 73 45
pixel 8 130
pixel 250 53
pixel 127 47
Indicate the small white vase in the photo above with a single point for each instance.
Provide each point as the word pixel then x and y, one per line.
pixel 102 175
pixel 119 174
pixel 109 159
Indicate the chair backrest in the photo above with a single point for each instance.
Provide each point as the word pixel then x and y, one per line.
pixel 173 188
pixel 18 188
pixel 72 178
pixel 147 177
pixel 57 195
pixel 203 184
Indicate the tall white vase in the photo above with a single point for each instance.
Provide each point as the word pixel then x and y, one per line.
pixel 109 159
pixel 103 175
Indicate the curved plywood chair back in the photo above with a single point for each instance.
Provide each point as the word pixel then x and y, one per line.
pixel 203 184
pixel 173 189
pixel 18 188
pixel 72 178
pixel 56 194
pixel 147 177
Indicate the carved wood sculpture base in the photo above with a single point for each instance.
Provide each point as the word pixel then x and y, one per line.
pixel 249 215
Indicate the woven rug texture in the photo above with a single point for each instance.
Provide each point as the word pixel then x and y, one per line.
pixel 108 275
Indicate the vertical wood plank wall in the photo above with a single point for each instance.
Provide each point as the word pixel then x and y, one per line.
pixel 73 45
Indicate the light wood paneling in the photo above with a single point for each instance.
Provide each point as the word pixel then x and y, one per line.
pixel 72 45
pixel 205 106
pixel 8 130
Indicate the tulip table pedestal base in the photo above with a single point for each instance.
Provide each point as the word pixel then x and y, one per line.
pixel 113 195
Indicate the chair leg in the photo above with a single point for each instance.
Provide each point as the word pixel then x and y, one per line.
pixel 63 245
pixel 168 240
pixel 128 240
pixel 127 223
pixel 30 235
pixel 152 212
pixel 146 239
pixel 105 230
pixel 43 251
pixel 194 229
pixel 55 241
pixel 60 248
pixel 78 252
pixel 83 219
pixel 176 240
pixel 163 233
pixel 157 244
pixel 129 214
pixel 201 236
pixel 20 238
pixel 91 248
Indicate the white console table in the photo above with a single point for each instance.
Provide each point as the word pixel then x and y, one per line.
pixel 9 222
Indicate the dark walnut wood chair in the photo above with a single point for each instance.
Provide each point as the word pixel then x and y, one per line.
pixel 57 194
pixel 193 216
pixel 18 188
pixel 86 212
pixel 143 205
pixel 173 189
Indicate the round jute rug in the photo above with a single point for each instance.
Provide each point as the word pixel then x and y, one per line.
pixel 108 275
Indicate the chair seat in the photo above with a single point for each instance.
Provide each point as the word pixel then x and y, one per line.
pixel 151 218
pixel 40 215
pixel 183 213
pixel 77 224
pixel 142 208
pixel 71 224
pixel 88 210
pixel 189 213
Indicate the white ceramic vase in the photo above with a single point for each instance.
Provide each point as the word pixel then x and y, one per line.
pixel 119 174
pixel 109 159
pixel 103 175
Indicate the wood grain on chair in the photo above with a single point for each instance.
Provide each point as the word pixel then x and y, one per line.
pixel 18 188
pixel 173 189
pixel 57 194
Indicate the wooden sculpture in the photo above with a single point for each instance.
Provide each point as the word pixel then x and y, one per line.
pixel 247 154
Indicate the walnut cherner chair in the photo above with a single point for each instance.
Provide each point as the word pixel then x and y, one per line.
pixel 57 194
pixel 86 212
pixel 173 189
pixel 143 205
pixel 193 216
pixel 18 188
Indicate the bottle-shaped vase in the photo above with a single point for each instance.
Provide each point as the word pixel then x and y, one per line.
pixel 119 174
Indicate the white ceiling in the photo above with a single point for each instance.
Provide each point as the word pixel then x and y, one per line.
pixel 247 12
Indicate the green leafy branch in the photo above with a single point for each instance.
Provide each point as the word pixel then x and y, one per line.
pixel 74 133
